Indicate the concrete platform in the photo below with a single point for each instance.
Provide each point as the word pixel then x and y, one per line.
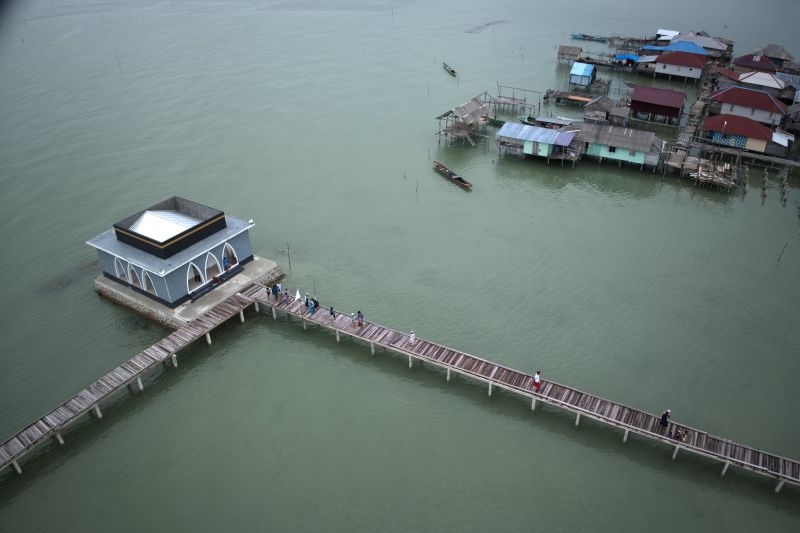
pixel 258 270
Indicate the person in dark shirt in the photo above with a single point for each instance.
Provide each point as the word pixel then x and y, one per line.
pixel 665 418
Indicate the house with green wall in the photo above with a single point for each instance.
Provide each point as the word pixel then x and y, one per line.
pixel 621 144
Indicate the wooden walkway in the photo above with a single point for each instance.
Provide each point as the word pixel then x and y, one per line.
pixel 582 404
pixel 128 374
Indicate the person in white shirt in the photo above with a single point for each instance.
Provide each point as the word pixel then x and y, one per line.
pixel 413 337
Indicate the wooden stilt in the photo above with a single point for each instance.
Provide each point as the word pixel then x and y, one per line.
pixel 410 361
pixel 577 419
pixel 372 348
pixel 96 409
pixel 139 383
pixel 533 404
pixel 725 468
pixel 241 315
pixel 448 375
pixel 675 453
pixel 625 436
pixel 337 335
pixel 274 313
pixel 304 323
pixel 16 467
pixel 779 486
pixel 208 338
pixel 59 438
pixel 175 360
pixel 255 305
pixel 490 388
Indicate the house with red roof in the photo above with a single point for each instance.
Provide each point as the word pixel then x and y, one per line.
pixel 737 132
pixel 657 105
pixel 749 103
pixel 684 64
pixel 754 63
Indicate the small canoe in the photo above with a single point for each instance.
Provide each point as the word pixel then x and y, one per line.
pixel 530 121
pixel 450 70
pixel 496 122
pixel 450 175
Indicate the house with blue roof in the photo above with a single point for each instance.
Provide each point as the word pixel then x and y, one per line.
pixel 522 140
pixel 582 74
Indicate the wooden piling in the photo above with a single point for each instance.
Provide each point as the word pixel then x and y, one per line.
pixel 675 453
pixel 59 438
pixel 96 410
pixel 725 468
pixel 208 338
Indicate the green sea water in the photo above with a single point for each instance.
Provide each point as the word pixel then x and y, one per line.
pixel 317 119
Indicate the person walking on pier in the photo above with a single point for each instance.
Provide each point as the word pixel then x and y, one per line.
pixel 360 317
pixel 311 307
pixel 353 319
pixel 332 313
pixel 412 338
pixel 665 418
pixel 537 380
pixel 306 300
pixel 276 291
pixel 286 296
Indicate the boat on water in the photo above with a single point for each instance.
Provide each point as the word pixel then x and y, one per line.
pixel 450 70
pixel 450 175
pixel 527 119
pixel 496 122
pixel 586 37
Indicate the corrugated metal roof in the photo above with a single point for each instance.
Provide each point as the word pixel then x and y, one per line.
pixel 581 69
pixel 571 51
pixel 523 132
pixel 702 40
pixel 669 34
pixel 756 62
pixel 789 79
pixel 657 96
pixel 736 125
pixel 763 79
pixel 631 57
pixel 683 59
pixel 679 46
pixel 619 137
pixel 752 98
pixel 471 111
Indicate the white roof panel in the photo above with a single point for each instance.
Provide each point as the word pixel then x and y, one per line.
pixel 163 225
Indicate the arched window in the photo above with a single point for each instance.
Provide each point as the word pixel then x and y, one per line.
pixel 119 270
pixel 148 284
pixel 194 277
pixel 212 266
pixel 133 278
pixel 229 257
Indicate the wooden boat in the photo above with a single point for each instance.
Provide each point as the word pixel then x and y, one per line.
pixel 452 176
pixel 586 37
pixel 450 70
pixel 526 119
pixel 496 122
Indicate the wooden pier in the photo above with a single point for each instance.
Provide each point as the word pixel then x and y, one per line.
pixel 583 405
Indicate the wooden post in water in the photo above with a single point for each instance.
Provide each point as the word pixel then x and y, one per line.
pixel 409 361
pixel 255 305
pixel 97 413
pixel 448 374
pixel 371 348
pixel 139 383
pixel 725 468
pixel 337 335
pixel 533 404
pixel 304 322
pixel 175 360
pixel 490 388
pixel 625 436
pixel 577 419
pixel 241 315
pixel 208 338
pixel 779 486
pixel 16 466
pixel 59 438
pixel 274 313
pixel 675 453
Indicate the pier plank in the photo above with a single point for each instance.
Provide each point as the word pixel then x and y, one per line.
pixel 569 398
